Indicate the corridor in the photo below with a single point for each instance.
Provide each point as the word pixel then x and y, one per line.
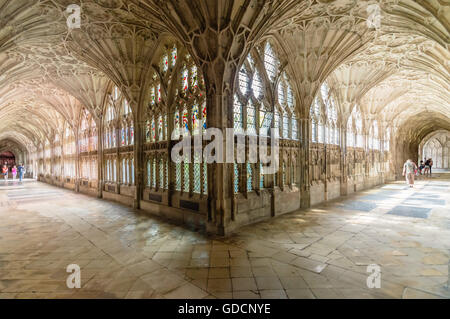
pixel 322 252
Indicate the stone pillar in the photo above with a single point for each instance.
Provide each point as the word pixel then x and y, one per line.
pixel 100 176
pixel 220 184
pixel 77 162
pixel 305 196
pixel 139 138
pixel 343 161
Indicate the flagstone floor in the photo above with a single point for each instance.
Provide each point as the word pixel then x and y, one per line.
pixel 323 252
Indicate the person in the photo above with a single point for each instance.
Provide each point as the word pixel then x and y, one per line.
pixel 409 169
pixel 5 172
pixel 21 169
pixel 421 167
pixel 430 164
pixel 14 172
pixel 427 167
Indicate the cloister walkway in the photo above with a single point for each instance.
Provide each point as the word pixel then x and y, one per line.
pixel 322 252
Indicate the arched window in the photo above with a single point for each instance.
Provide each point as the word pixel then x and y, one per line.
pixel 256 109
pixel 179 83
pixel 358 126
pixel 387 140
pixel 286 105
pixel 317 134
pixel 324 117
pixel 110 122
pixel 332 122
pixel 374 136
pixel 350 132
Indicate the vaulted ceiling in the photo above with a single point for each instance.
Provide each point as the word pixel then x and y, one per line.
pixel 398 72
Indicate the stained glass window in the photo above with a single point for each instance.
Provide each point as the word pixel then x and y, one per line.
pixel 350 135
pixel 124 170
pixel 177 123
pixel 294 128
pixel 257 86
pixel 204 116
pixel 265 121
pixel 165 63
pixel 184 79
pixel 194 77
pixel 387 140
pixel 153 130
pixel 131 135
pixel 160 128
pixel 286 121
pixel 186 177
pixel 122 134
pixel 166 170
pixel 154 172
pixel 173 55
pixel 243 81
pixel 321 133
pixel 276 123
pixel 126 107
pixel 236 178
pixel 161 173
pixel 152 95
pixel 158 92
pixel 132 171
pixel 290 97
pixel 249 177
pixel 197 177
pixel 251 119
pixel 261 176
pixel 185 122
pixel 281 94
pixel 178 176
pixel 238 123
pixel 205 178
pixel 270 61
pixel 114 138
pixel 149 172
pixel 147 131
pixel 195 119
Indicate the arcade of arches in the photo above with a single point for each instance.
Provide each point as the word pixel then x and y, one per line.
pixel 92 108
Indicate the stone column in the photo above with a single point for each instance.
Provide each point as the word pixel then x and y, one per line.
pixel 77 162
pixel 305 196
pixel 100 180
pixel 343 161
pixel 139 138
pixel 220 175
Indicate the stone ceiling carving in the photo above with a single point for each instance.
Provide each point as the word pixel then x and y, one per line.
pixel 399 72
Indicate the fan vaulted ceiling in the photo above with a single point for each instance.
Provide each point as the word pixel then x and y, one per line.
pixel 48 74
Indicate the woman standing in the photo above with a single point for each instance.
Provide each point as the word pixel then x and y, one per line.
pixel 409 169
pixel 14 172
pixel 5 172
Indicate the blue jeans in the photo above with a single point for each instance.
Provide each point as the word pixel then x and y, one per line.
pixel 20 176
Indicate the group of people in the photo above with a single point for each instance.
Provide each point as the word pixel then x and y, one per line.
pixel 14 171
pixel 410 170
